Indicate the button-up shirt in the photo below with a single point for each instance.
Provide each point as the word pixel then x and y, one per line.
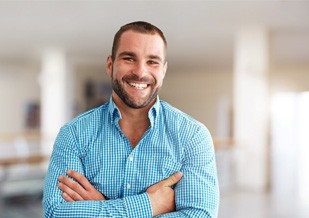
pixel 94 145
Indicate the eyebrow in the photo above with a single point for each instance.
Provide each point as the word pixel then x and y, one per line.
pixel 127 53
pixel 155 57
pixel 132 54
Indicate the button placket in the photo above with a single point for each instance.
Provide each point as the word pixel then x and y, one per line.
pixel 130 174
pixel 131 158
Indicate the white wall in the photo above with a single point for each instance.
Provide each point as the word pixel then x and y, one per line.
pixel 199 93
pixel 289 78
pixel 18 86
pixel 289 133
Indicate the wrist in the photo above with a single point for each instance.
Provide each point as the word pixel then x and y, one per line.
pixel 138 205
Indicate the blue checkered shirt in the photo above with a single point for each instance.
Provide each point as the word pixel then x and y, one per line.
pixel 94 145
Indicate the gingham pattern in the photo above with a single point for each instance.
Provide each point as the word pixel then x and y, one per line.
pixel 94 145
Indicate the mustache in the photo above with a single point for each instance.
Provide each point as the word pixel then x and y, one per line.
pixel 136 78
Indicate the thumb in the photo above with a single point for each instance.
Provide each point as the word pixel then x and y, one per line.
pixel 172 180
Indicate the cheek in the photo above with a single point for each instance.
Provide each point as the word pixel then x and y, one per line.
pixel 159 78
pixel 115 73
pixel 120 71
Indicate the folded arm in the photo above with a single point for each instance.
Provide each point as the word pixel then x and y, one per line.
pixel 66 156
pixel 64 197
pixel 161 195
pixel 197 193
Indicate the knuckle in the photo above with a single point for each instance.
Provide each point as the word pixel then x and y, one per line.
pixel 74 185
pixel 87 196
pixel 169 181
pixel 75 196
pixel 173 179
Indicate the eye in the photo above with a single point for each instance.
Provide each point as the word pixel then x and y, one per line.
pixel 152 62
pixel 129 59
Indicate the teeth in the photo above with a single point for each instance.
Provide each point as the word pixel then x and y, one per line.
pixel 138 86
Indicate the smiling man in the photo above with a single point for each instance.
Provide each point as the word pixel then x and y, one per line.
pixel 135 156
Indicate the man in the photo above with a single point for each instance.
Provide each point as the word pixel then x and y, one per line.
pixel 135 156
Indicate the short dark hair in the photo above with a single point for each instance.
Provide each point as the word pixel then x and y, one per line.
pixel 140 27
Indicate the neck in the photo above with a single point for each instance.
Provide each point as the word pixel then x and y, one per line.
pixel 133 116
pixel 134 122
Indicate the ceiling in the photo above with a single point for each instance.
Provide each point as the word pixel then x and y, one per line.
pixel 200 34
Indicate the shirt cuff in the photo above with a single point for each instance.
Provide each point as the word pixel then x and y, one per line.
pixel 138 205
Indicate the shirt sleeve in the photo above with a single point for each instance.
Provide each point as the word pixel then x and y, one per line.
pixel 66 156
pixel 197 193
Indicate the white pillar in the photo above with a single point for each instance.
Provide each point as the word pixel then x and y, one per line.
pixel 251 107
pixel 56 96
pixel 290 150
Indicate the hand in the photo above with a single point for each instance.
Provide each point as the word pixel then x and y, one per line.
pixel 162 196
pixel 79 190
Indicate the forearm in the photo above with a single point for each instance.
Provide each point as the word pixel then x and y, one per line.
pixel 132 206
pixel 66 156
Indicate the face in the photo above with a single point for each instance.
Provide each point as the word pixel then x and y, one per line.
pixel 138 69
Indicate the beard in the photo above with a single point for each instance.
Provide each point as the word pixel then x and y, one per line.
pixel 127 99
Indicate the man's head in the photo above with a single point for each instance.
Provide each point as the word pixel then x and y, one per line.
pixel 139 27
pixel 137 65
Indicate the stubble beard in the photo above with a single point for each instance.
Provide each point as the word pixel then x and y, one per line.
pixel 128 100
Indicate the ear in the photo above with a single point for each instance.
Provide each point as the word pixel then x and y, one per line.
pixel 109 66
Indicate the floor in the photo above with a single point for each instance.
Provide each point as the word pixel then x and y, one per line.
pixel 233 205
pixel 22 207
pixel 261 205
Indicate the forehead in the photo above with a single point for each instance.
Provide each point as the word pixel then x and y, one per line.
pixel 141 42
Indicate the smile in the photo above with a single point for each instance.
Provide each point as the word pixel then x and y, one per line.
pixel 138 85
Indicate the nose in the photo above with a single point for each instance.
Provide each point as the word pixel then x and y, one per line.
pixel 140 69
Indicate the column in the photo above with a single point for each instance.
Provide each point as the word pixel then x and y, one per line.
pixel 251 108
pixel 56 96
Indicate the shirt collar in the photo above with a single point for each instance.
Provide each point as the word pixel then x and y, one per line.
pixel 116 115
pixel 113 110
pixel 154 112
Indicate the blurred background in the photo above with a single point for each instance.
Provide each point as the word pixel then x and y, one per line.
pixel 239 67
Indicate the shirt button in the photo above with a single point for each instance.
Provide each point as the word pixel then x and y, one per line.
pixel 128 186
pixel 131 158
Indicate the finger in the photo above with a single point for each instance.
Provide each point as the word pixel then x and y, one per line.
pixel 172 180
pixel 87 191
pixel 66 197
pixel 82 180
pixel 70 183
pixel 70 195
pixel 73 186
